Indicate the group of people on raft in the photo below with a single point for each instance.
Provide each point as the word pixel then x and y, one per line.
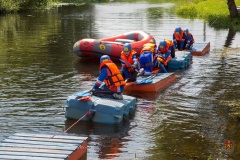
pixel 151 57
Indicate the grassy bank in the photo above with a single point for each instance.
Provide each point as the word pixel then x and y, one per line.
pixel 214 11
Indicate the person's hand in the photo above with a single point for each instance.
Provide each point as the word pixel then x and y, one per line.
pixel 91 90
pixel 133 66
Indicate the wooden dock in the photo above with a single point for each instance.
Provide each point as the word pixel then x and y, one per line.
pixel 22 146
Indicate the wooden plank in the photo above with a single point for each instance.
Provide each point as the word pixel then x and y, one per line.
pixel 53 140
pixel 50 136
pixel 45 155
pixel 66 148
pixel 38 143
pixel 35 150
pixel 10 157
pixel 22 146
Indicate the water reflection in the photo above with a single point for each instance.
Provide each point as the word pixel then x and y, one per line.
pixel 105 140
pixel 230 37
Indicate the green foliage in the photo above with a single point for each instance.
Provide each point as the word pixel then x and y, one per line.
pixel 8 5
pixel 189 11
pixel 19 5
pixel 214 11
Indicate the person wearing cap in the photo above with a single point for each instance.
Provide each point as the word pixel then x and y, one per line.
pixel 111 76
pixel 129 63
pixel 179 38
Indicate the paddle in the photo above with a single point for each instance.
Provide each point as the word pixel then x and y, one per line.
pixel 146 80
pixel 128 64
pixel 83 94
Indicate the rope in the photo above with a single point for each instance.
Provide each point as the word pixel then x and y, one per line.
pixel 72 124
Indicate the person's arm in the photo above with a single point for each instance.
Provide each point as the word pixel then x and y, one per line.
pixel 135 60
pixel 101 78
pixel 174 41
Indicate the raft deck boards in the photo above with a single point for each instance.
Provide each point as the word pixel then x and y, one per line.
pixel 200 49
pixel 22 146
pixel 160 82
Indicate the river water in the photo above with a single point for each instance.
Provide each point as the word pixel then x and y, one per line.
pixel 192 119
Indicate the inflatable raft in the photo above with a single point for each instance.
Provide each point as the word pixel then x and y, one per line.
pixel 99 110
pixel 111 46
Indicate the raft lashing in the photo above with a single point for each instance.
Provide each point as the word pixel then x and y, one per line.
pixel 25 146
pixel 102 110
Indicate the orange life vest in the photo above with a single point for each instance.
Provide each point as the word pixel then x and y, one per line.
pixel 129 58
pixel 114 77
pixel 179 36
pixel 169 44
pixel 149 47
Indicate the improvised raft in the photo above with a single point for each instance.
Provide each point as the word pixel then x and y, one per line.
pixel 112 111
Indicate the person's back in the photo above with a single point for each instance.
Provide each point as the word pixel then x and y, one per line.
pixel 111 76
pixel 146 58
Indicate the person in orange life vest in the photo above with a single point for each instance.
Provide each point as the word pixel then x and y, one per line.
pixel 189 40
pixel 146 58
pixel 166 52
pixel 111 76
pixel 179 38
pixel 129 68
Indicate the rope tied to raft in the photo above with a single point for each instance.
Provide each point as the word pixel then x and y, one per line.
pixel 73 124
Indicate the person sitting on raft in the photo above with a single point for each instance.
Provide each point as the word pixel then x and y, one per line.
pixel 111 76
pixel 179 38
pixel 129 63
pixel 146 59
pixel 166 51
pixel 189 40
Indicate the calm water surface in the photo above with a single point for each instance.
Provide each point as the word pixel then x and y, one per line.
pixel 192 119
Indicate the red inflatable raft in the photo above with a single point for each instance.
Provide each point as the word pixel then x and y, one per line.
pixel 111 46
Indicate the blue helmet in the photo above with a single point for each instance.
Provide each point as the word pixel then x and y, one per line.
pixel 162 44
pixel 178 29
pixel 104 57
pixel 186 31
pixel 127 47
